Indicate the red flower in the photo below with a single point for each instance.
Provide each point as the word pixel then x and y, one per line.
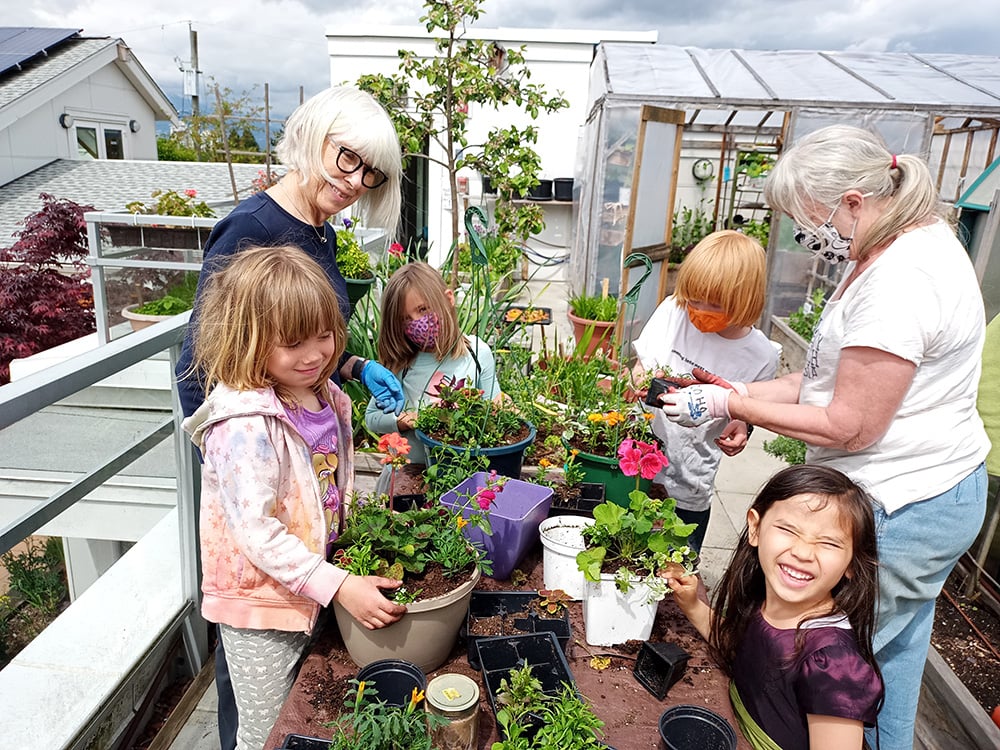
pixel 395 447
pixel 485 498
pixel 191 193
pixel 628 457
pixel 396 250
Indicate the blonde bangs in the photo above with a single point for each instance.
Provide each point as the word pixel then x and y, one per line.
pixel 728 269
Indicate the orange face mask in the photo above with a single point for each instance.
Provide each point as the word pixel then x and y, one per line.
pixel 708 321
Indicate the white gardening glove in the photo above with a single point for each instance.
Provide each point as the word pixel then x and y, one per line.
pixel 696 404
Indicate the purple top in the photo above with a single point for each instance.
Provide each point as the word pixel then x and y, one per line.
pixel 319 430
pixel 827 678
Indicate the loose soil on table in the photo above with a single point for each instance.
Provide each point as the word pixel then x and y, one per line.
pixel 972 657
pixel 629 711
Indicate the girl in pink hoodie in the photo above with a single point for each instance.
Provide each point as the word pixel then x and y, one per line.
pixel 275 434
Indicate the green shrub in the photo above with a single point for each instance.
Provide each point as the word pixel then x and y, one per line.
pixel 177 299
pixel 803 321
pixel 788 449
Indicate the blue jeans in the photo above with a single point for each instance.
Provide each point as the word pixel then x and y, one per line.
pixel 918 546
pixel 699 517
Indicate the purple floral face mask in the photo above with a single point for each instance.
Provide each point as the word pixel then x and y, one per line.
pixel 423 332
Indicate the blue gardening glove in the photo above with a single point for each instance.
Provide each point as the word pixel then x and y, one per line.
pixel 696 404
pixel 384 387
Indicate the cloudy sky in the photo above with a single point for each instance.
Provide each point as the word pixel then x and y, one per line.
pixel 243 44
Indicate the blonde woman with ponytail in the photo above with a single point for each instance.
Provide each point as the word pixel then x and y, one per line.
pixel 888 391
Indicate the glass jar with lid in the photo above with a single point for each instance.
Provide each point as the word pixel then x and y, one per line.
pixel 454 697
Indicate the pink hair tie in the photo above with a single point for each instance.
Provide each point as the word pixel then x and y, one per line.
pixel 893 162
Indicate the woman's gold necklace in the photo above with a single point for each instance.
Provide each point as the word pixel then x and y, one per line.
pixel 320 235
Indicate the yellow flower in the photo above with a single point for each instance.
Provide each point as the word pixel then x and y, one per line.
pixel 613 417
pixel 595 417
pixel 361 689
pixel 416 697
pixel 544 463
pixel 461 522
pixel 575 452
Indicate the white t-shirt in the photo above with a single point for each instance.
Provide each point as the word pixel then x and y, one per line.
pixel 669 339
pixel 920 301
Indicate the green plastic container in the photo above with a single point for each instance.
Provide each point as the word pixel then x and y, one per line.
pixel 605 470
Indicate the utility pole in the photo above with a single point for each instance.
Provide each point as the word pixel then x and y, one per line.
pixel 193 37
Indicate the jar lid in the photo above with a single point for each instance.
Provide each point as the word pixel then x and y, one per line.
pixel 452 692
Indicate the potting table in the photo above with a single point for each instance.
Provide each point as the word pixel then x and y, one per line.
pixel 631 713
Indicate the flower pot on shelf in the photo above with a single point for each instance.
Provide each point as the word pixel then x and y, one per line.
pixel 687 727
pixel 394 679
pixel 597 333
pixel 503 459
pixel 562 539
pixel 605 470
pixel 425 635
pixel 514 608
pixel 611 617
pixel 514 516
pixel 138 321
pixel 301 742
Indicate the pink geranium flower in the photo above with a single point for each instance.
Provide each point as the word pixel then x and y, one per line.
pixel 396 250
pixel 191 193
pixel 638 459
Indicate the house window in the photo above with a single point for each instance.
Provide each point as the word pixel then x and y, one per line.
pixel 96 140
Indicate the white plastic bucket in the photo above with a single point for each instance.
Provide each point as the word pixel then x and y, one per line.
pixel 562 539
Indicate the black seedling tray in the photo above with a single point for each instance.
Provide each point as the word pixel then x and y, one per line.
pixel 520 620
pixel 499 655
pixel 301 742
pixel 591 495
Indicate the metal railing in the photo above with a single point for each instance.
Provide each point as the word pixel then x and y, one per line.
pixel 25 397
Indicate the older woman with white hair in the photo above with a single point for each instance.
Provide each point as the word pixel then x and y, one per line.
pixel 888 392
pixel 341 149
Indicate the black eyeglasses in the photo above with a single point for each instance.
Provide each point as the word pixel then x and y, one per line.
pixel 349 162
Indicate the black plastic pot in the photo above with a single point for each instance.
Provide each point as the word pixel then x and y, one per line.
pixel 409 502
pixel 542 191
pixel 514 607
pixel 687 727
pixel 394 679
pixel 591 495
pixel 659 666
pixel 563 188
pixel 301 742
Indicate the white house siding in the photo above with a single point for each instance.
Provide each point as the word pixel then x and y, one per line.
pixel 558 60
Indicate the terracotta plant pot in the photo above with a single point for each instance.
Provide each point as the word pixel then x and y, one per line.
pixel 425 635
pixel 597 333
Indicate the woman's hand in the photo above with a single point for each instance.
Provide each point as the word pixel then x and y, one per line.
pixel 406 420
pixel 696 404
pixel 362 598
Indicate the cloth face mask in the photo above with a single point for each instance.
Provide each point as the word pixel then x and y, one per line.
pixel 423 331
pixel 708 321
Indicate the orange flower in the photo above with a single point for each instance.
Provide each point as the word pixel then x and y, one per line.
pixel 395 447
pixel 544 463
pixel 416 697
pixel 461 522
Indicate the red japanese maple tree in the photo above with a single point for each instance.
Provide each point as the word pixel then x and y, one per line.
pixel 45 294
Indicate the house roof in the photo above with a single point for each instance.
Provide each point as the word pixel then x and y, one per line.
pixel 66 64
pixel 108 185
pixel 730 79
pixel 18 44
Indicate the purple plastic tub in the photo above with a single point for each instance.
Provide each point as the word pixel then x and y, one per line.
pixel 514 517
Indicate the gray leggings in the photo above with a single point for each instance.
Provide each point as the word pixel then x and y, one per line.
pixel 262 666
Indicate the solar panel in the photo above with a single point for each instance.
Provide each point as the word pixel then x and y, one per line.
pixel 18 44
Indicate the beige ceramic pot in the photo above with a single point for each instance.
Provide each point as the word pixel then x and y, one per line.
pixel 425 635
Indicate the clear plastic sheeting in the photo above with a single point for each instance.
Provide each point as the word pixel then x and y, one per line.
pixel 943 107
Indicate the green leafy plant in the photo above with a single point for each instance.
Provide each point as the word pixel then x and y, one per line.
pixel 372 723
pixel 562 720
pixel 172 203
pixel 754 163
pixel 462 417
pixel 601 432
pixel 690 226
pixel 352 259
pixel 459 466
pixel 759 230
pixel 176 300
pixel 603 308
pixel 634 543
pixel 790 450
pixel 35 575
pixel 803 320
